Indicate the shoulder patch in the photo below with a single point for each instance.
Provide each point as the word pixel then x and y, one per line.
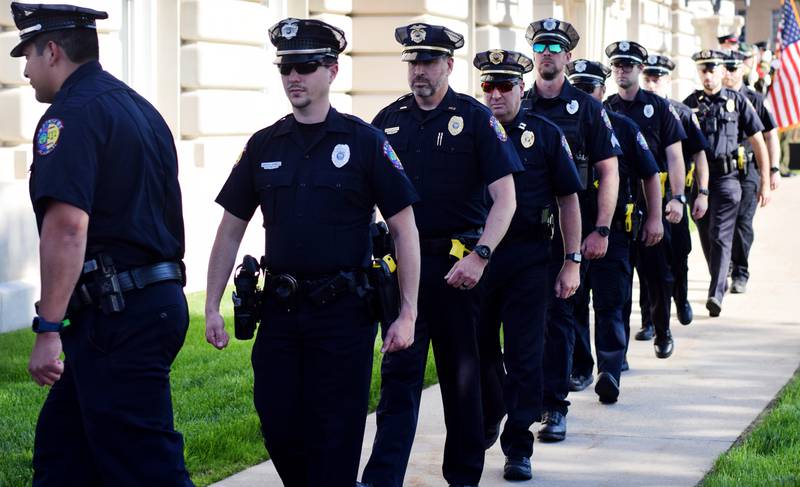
pixel 498 129
pixel 642 141
pixel 48 135
pixel 565 145
pixel 696 121
pixel 674 112
pixel 605 118
pixel 388 151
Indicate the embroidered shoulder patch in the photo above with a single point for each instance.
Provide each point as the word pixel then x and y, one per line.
pixel 565 145
pixel 674 112
pixel 47 137
pixel 642 141
pixel 498 129
pixel 606 120
pixel 390 154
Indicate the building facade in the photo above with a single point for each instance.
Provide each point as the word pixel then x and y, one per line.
pixel 207 66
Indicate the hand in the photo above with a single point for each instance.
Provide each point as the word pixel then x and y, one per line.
pixel 652 232
pixel 45 365
pixel 215 330
pixel 673 211
pixel 594 246
pixel 764 195
pixel 400 335
pixel 774 180
pixel 700 206
pixel 568 280
pixel 466 273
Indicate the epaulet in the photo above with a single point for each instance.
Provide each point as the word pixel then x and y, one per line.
pixel 356 120
pixel 540 119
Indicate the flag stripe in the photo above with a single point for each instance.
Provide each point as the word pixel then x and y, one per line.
pixel 785 92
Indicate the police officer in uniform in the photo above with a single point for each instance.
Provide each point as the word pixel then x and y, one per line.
pixel 724 114
pixel 660 125
pixel 610 278
pixel 104 188
pixel 453 149
pixel 595 149
pixel 317 175
pixel 519 268
pixel 749 178
pixel 656 78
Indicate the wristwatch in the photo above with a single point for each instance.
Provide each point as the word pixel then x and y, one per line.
pixel 40 325
pixel 483 251
pixel 574 257
pixel 680 197
pixel 773 170
pixel 703 191
pixel 603 231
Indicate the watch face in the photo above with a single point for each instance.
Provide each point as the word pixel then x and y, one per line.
pixel 483 251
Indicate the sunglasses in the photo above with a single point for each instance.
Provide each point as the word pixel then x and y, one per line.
pixel 553 48
pixel 585 87
pixel 502 86
pixel 300 68
pixel 732 68
pixel 707 68
pixel 624 67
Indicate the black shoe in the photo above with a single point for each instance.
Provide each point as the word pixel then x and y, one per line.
pixel 739 286
pixel 490 435
pixel 362 484
pixel 580 382
pixel 607 388
pixel 517 468
pixel 625 366
pixel 647 333
pixel 664 345
pixel 685 313
pixel 714 307
pixel 554 427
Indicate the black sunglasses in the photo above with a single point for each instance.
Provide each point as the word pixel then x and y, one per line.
pixel 731 67
pixel 301 68
pixel 503 86
pixel 585 87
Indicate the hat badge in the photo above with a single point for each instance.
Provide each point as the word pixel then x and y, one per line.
pixel 289 29
pixel 496 57
pixel 417 33
pixel 549 24
pixel 705 54
pixel 652 59
pixel 624 46
pixel 580 66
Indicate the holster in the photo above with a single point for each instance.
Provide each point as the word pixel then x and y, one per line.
pixel 386 286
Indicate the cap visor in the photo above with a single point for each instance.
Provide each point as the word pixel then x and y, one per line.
pixel 492 77
pixel 421 55
pixel 301 58
pixel 17 51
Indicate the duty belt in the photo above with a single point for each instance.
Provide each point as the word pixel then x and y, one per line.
pixel 456 246
pixel 723 165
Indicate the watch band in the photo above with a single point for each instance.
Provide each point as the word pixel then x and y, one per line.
pixel 773 170
pixel 40 325
pixel 703 191
pixel 603 231
pixel 574 257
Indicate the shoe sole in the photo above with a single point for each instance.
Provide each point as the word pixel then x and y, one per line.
pixel 580 387
pixel 606 391
pixel 517 476
pixel 713 309
pixel 551 437
pixel 643 338
pixel 665 355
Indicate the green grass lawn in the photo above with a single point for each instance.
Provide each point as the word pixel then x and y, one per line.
pixel 212 394
pixel 769 454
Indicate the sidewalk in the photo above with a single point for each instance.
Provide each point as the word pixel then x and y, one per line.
pixel 675 416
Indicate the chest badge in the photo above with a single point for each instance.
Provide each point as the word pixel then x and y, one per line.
pixel 527 139
pixel 47 137
pixel 730 105
pixel 340 155
pixel 455 125
pixel 391 130
pixel 572 107
pixel 648 110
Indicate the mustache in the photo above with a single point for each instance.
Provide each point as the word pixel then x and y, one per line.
pixel 294 86
pixel 421 79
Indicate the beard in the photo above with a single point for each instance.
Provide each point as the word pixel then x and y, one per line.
pixel 549 73
pixel 423 87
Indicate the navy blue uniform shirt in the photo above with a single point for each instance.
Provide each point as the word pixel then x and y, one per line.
pixel 104 149
pixel 636 163
pixel 735 115
pixel 766 117
pixel 451 154
pixel 695 140
pixel 656 118
pixel 549 169
pixel 317 196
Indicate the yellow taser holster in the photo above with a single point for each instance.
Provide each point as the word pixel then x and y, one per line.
pixel 663 177
pixel 390 263
pixel 629 217
pixel 740 158
pixel 458 249
pixel 690 176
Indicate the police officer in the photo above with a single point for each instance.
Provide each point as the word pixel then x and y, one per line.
pixel 723 114
pixel 660 125
pixel 453 149
pixel 656 78
pixel 749 177
pixel 104 188
pixel 590 137
pixel 519 266
pixel 610 278
pixel 317 175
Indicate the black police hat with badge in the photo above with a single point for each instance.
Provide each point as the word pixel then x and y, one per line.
pixel 626 52
pixel 501 65
pixel 550 30
pixel 728 39
pixel 583 71
pixel 300 41
pixel 424 42
pixel 33 19
pixel 708 58
pixel 733 59
pixel 658 65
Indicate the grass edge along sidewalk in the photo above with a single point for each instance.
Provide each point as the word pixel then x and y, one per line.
pixel 768 451
pixel 212 395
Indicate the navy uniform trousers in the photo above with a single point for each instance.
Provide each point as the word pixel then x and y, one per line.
pixel 312 368
pixel 511 378
pixel 743 234
pixel 447 318
pixel 113 400
pixel 609 280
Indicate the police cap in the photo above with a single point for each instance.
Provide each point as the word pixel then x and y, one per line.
pixel 731 38
pixel 33 19
pixel 761 44
pixel 305 40
pixel 628 52
pixel 733 58
pixel 423 42
pixel 658 65
pixel 585 71
pixel 501 65
pixel 747 49
pixel 708 56
pixel 552 30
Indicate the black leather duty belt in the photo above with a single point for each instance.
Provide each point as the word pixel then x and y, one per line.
pixel 138 278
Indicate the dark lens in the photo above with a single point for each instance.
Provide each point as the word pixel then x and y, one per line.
pixel 302 68
pixel 585 87
pixel 554 48
pixel 502 86
pixel 539 48
pixel 731 68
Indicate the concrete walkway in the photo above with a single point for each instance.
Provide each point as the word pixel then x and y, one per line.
pixel 675 416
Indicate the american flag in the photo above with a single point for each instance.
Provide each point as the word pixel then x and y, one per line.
pixel 785 93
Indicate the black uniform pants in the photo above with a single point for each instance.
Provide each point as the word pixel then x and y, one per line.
pixel 312 368
pixel 717 229
pixel 516 297
pixel 448 318
pixel 656 281
pixel 108 420
pixel 609 280
pixel 743 233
